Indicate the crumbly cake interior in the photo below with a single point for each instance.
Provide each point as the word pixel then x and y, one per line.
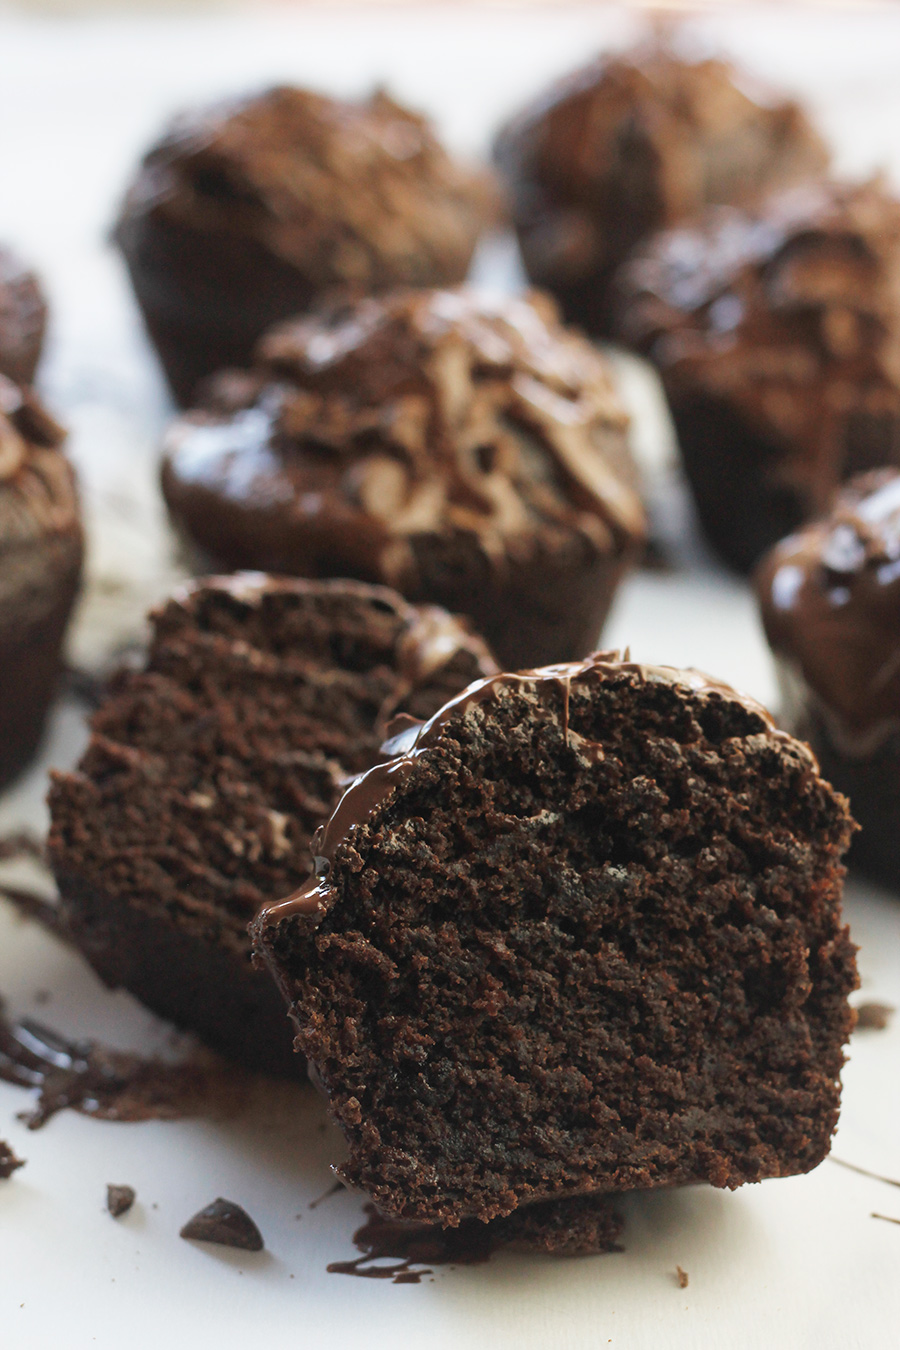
pixel 591 942
pixel 209 771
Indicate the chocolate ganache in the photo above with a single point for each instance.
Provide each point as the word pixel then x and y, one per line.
pixel 467 451
pixel 41 549
pixel 830 602
pixel 777 336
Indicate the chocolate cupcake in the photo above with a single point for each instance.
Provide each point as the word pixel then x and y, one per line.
pixel 23 318
pixel 41 550
pixel 777 336
pixel 208 772
pixel 244 213
pixel 470 453
pixel 580 935
pixel 634 143
pixel 830 602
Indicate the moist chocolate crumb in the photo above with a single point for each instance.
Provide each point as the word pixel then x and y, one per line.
pixel 8 1161
pixel 226 1224
pixel 874 1016
pixel 119 1199
pixel 682 1277
pixel 887 1217
pixel 109 1084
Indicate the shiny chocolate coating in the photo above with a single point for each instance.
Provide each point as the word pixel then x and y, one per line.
pixel 637 142
pixel 468 452
pixel 245 212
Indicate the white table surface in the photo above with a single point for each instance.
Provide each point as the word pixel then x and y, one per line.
pixel 786 1264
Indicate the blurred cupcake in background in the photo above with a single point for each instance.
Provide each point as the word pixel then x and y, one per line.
pixel 637 142
pixel 245 212
pixel 23 318
pixel 777 337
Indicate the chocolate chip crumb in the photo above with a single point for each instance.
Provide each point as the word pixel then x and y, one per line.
pixel 119 1200
pixel 8 1161
pixel 874 1016
pixel 682 1277
pixel 226 1224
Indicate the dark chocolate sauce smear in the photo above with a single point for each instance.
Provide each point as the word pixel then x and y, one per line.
pixel 225 1224
pixel 412 1248
pixel 98 1081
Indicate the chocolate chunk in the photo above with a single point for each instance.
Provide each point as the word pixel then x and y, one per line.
pixel 226 1224
pixel 8 1161
pixel 874 1016
pixel 119 1199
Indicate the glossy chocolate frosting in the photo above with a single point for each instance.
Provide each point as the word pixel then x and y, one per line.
pixel 41 541
pixel 830 601
pixel 637 142
pixel 370 790
pixel 790 317
pixel 23 318
pixel 349 194
pixel 368 427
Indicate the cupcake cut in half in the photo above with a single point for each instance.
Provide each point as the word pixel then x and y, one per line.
pixel 209 770
pixel 246 212
pixel 581 934
pixel 468 451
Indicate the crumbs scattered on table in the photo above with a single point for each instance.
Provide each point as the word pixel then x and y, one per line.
pixel 119 1199
pixel 682 1277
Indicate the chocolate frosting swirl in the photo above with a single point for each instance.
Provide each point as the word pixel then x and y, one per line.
pixel 791 316
pixel 830 602
pixel 369 425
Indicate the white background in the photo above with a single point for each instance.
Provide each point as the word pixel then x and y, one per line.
pixel 797 1263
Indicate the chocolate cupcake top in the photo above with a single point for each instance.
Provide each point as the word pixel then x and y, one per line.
pixel 23 318
pixel 830 600
pixel 350 194
pixel 792 317
pixel 368 426
pixel 638 141
pixel 40 531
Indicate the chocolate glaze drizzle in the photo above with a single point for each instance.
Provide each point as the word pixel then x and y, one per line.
pixel 97 1081
pixel 412 1248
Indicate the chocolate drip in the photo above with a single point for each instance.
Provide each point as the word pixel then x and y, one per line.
pixel 97 1081
pixel 412 1248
